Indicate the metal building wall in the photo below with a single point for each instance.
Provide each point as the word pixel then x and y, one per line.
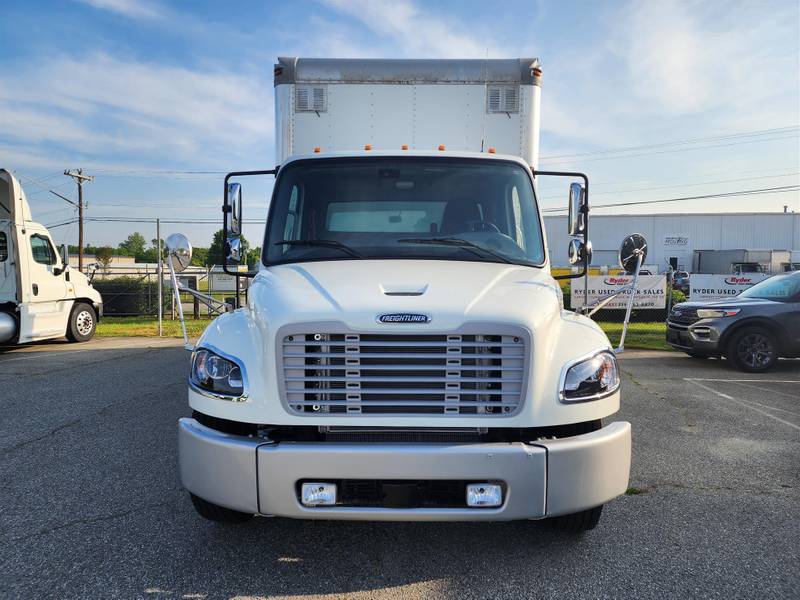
pixel 665 234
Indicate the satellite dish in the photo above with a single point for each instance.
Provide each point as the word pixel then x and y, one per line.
pixel 632 248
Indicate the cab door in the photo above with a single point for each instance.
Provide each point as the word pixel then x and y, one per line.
pixel 45 308
pixel 8 268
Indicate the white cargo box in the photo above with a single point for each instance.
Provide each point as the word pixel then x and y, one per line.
pixel 463 105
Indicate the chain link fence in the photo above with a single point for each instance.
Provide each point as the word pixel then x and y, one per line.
pixel 134 292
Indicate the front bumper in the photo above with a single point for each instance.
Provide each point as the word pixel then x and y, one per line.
pixel 542 479
pixel 701 337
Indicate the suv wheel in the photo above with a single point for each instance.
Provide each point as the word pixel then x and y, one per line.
pixel 220 514
pixel 753 350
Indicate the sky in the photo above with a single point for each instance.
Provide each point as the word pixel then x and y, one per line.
pixel 654 99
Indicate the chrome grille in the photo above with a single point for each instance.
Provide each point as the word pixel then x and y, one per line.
pixel 403 374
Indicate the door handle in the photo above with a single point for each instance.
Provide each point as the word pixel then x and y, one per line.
pixel 35 289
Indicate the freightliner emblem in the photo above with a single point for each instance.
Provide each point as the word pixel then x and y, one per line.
pixel 404 318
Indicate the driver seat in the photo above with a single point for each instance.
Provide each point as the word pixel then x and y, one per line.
pixel 458 213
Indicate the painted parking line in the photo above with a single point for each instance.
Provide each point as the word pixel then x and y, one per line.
pixel 43 354
pixel 746 404
pixel 795 396
pixel 744 380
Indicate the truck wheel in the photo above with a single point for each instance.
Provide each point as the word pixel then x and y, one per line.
pixel 581 521
pixel 82 323
pixel 220 514
pixel 753 350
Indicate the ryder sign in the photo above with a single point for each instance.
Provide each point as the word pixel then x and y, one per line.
pixel 718 287
pixel 651 291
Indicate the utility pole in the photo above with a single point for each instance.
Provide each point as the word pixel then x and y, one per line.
pixel 79 177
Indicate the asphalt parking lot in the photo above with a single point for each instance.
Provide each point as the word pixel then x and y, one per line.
pixel 92 506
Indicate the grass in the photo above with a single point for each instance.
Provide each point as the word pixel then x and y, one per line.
pixel 148 327
pixel 647 336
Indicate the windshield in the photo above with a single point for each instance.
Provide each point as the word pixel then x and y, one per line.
pixel 398 207
pixel 779 288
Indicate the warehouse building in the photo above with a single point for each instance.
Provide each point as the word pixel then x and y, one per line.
pixel 679 235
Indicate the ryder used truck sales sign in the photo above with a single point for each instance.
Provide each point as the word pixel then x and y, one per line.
pixel 651 291
pixel 719 287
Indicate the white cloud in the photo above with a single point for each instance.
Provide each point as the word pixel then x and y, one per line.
pixel 416 32
pixel 109 106
pixel 730 58
pixel 135 9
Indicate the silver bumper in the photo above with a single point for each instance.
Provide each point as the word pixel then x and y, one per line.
pixel 542 479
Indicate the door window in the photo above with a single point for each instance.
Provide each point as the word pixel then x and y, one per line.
pixel 3 246
pixel 42 250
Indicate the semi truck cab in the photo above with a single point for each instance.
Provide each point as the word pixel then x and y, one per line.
pixel 41 297
pixel 404 352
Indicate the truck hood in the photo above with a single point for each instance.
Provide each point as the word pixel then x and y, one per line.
pixel 450 293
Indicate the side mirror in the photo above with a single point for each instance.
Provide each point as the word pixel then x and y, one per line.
pixel 577 200
pixel 633 253
pixel 179 251
pixel 234 208
pixel 64 252
pixel 577 251
pixel 233 250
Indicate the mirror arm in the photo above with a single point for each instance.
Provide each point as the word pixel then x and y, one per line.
pixel 584 212
pixel 226 208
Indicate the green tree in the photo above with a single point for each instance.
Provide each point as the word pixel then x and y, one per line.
pixel 104 255
pixel 253 257
pixel 216 251
pixel 199 256
pixel 134 244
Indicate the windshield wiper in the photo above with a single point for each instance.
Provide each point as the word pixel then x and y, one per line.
pixel 322 244
pixel 466 244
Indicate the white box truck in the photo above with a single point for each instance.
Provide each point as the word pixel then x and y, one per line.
pixel 404 352
pixel 41 298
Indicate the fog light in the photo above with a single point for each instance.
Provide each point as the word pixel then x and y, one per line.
pixel 318 494
pixel 484 494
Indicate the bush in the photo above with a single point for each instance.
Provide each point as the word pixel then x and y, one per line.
pixel 678 297
pixel 129 295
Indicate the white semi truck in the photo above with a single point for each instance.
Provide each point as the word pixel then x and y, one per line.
pixel 404 352
pixel 41 298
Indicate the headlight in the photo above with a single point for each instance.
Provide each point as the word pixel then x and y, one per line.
pixel 715 313
pixel 216 374
pixel 591 379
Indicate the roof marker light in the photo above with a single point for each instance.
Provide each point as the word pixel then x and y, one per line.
pixel 317 149
pixel 404 147
pixel 441 146
pixel 492 150
pixel 367 146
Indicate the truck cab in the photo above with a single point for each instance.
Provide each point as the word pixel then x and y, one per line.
pixel 404 352
pixel 41 297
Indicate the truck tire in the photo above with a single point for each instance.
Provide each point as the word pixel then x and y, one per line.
pixel 82 323
pixel 216 513
pixel 753 350
pixel 578 522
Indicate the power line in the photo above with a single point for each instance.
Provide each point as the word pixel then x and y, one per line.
pixel 716 138
pixel 681 149
pixel 773 190
pixel 679 185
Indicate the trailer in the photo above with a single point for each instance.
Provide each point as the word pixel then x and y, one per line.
pixel 740 261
